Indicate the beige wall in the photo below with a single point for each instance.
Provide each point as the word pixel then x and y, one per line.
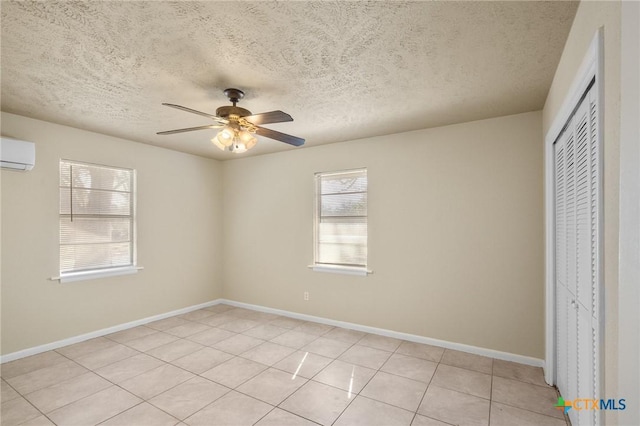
pixel 590 16
pixel 629 276
pixel 179 226
pixel 455 233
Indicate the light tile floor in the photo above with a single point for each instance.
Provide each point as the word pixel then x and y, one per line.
pixel 232 366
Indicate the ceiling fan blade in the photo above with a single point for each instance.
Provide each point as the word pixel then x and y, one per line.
pixel 268 118
pixel 193 111
pixel 190 129
pixel 282 137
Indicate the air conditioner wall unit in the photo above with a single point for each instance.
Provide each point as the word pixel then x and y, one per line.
pixel 16 154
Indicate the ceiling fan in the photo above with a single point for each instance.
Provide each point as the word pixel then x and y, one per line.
pixel 239 125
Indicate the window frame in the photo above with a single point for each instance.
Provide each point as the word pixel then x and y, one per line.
pixel 101 272
pixel 340 268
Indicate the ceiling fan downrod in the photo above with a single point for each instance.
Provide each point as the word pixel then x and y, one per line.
pixel 227 111
pixel 234 95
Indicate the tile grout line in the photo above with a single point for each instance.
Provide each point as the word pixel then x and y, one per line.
pixel 491 394
pixel 371 378
pixel 509 405
pixel 71 378
pixel 415 414
pixel 260 323
pixel 28 402
pixel 545 386
pixel 134 406
pixel 336 358
pixel 143 400
pixel 528 410
pixel 104 378
pixel 167 390
pixel 199 375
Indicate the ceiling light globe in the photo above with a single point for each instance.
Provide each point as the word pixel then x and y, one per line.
pixel 217 143
pixel 248 139
pixel 239 147
pixel 251 142
pixel 225 136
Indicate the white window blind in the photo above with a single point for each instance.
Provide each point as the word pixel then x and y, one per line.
pixel 341 218
pixel 97 217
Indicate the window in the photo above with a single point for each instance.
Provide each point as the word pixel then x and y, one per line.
pixel 97 220
pixel 341 220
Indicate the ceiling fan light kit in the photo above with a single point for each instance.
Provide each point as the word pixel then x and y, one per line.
pixel 235 139
pixel 239 126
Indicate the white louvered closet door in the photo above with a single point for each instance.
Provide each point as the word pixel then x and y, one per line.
pixel 577 194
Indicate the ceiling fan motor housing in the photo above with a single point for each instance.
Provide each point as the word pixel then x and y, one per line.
pixel 234 96
pixel 227 110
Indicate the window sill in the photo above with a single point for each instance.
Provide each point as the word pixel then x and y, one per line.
pixel 337 269
pixel 92 275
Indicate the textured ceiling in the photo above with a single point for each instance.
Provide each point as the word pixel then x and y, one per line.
pixel 343 70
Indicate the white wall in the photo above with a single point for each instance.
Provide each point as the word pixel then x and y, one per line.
pixel 179 237
pixel 455 233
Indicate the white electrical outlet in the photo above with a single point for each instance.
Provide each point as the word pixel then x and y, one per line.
pixel 306 295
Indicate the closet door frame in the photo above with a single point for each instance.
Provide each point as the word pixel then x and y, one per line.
pixel 591 69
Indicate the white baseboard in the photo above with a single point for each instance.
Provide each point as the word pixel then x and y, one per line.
pixel 506 356
pixel 92 335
